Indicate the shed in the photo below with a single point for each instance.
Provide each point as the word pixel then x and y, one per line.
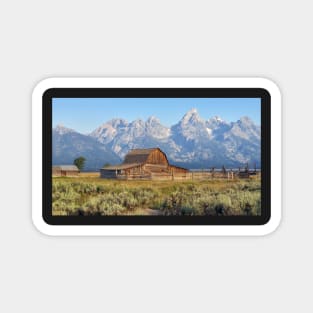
pixel 65 170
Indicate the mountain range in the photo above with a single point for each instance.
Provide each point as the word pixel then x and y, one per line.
pixel 193 142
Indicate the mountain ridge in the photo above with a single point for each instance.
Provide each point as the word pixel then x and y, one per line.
pixel 192 142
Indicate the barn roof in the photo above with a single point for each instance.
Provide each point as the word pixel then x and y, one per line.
pixel 66 167
pixel 175 166
pixel 138 155
pixel 121 166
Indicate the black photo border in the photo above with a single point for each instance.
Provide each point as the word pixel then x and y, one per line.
pixel 261 93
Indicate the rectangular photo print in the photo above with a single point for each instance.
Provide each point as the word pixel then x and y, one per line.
pixel 156 157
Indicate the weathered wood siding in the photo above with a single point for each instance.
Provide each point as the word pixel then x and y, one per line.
pixel 61 173
pixel 69 173
pixel 155 168
pixel 157 157
pixel 175 169
pixel 108 173
pixel 56 172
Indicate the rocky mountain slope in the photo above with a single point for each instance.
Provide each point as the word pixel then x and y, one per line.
pixel 193 142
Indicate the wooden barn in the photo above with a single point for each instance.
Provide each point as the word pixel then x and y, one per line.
pixel 143 164
pixel 65 170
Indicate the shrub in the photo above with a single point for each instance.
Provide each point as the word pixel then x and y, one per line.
pixel 103 205
pixel 104 197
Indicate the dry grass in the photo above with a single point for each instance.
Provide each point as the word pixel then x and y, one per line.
pixel 89 174
pixel 88 195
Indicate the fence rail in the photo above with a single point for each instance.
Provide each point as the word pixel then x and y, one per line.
pixel 199 175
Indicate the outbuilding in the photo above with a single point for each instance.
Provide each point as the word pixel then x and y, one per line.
pixel 65 170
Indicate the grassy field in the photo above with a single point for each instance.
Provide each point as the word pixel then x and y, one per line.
pixel 89 174
pixel 87 195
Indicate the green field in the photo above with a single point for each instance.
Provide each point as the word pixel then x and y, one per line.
pixel 96 196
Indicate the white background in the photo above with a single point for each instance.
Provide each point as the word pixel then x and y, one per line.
pixel 40 39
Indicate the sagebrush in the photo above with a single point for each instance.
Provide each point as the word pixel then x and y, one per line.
pixel 95 196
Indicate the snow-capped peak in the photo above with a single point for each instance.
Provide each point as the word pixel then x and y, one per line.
pixel 244 128
pixel 106 132
pixel 215 122
pixel 215 119
pixel 137 123
pixel 117 122
pixel 191 116
pixel 245 120
pixel 153 120
pixel 155 129
pixel 60 129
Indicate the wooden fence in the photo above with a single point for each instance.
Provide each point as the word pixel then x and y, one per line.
pixel 192 175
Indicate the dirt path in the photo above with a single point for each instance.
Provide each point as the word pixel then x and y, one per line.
pixel 153 212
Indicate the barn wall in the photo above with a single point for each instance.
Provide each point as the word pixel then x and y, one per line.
pixel 156 168
pixel 107 173
pixel 175 169
pixel 69 173
pixel 134 173
pixel 134 170
pixel 56 172
pixel 157 157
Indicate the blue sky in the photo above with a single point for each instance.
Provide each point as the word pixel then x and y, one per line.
pixel 86 114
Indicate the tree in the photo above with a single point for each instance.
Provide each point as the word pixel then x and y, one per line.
pixel 106 164
pixel 80 162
